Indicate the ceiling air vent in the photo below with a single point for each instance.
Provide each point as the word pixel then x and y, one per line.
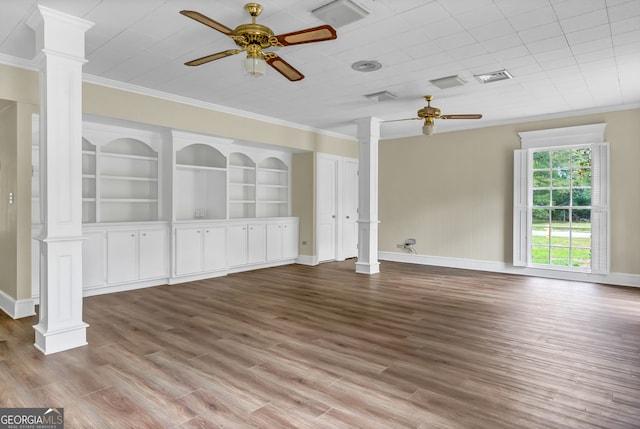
pixel 381 96
pixel 448 82
pixel 339 13
pixel 494 76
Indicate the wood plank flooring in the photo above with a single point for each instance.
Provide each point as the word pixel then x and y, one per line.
pixel 322 347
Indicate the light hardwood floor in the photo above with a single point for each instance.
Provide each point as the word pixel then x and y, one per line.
pixel 323 347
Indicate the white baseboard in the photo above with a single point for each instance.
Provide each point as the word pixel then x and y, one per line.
pixel 307 260
pixel 619 279
pixel 104 289
pixel 17 308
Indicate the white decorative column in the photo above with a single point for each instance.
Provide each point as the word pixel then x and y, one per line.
pixel 60 54
pixel 368 136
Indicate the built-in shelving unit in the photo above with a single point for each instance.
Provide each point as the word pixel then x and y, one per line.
pixel 272 188
pixel 242 186
pixel 167 206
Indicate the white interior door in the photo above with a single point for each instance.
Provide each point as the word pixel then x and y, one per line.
pixel 350 209
pixel 326 208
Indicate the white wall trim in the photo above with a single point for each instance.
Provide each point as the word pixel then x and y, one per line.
pixel 618 279
pixel 17 308
pixel 307 260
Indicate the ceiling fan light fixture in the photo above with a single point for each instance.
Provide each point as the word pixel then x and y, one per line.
pixel 429 127
pixel 255 66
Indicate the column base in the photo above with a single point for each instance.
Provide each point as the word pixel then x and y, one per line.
pixel 364 268
pixel 54 341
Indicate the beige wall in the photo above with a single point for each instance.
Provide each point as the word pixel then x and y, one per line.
pixel 113 103
pixel 303 200
pixel 453 192
pixel 19 95
pixel 8 183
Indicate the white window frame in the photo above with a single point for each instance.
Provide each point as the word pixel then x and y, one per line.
pixel 562 138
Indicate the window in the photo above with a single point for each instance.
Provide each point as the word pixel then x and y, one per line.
pixel 561 200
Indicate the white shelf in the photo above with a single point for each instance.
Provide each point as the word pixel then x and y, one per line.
pixel 199 167
pixel 130 178
pixel 128 200
pixel 127 156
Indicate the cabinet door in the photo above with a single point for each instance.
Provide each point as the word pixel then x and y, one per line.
pixel 122 252
pixel 237 245
pixel 188 251
pixel 93 260
pixel 151 255
pixel 214 248
pixel 274 241
pixel 257 243
pixel 290 240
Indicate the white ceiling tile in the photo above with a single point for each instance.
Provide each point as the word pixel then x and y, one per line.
pixel 558 63
pixel 512 8
pixel 533 18
pixel 546 45
pixel 479 17
pixel 498 28
pixel 457 40
pixel 624 11
pixel 588 20
pixel 595 45
pixel 625 25
pixel 630 37
pixel 592 34
pixel 569 8
pixel 511 53
pixel 502 43
pixel 553 55
pixel 540 33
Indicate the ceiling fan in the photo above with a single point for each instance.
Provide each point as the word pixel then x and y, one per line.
pixel 430 114
pixel 253 38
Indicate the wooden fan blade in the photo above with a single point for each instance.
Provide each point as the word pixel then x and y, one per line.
pixel 398 120
pixel 309 35
pixel 469 116
pixel 207 21
pixel 212 57
pixel 283 67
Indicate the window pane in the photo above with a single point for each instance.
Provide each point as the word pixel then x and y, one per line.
pixel 540 255
pixel 541 160
pixel 541 197
pixel 581 158
pixel 581 177
pixel 560 215
pixel 561 198
pixel 581 197
pixel 582 218
pixel 561 159
pixel 540 217
pixel 560 256
pixel 560 178
pixel 541 179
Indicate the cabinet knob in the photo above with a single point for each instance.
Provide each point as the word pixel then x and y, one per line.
pixel 347 217
pixel 144 234
pixel 207 230
pixel 133 235
pixel 198 231
pixel 333 216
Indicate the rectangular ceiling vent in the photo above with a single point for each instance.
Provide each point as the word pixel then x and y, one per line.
pixel 381 96
pixel 448 82
pixel 494 76
pixel 339 13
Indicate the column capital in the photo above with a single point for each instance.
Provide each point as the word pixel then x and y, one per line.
pixel 58 32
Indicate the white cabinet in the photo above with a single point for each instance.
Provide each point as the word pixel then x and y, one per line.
pixel 199 249
pixel 93 258
pixel 282 240
pixel 256 242
pixel 136 254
